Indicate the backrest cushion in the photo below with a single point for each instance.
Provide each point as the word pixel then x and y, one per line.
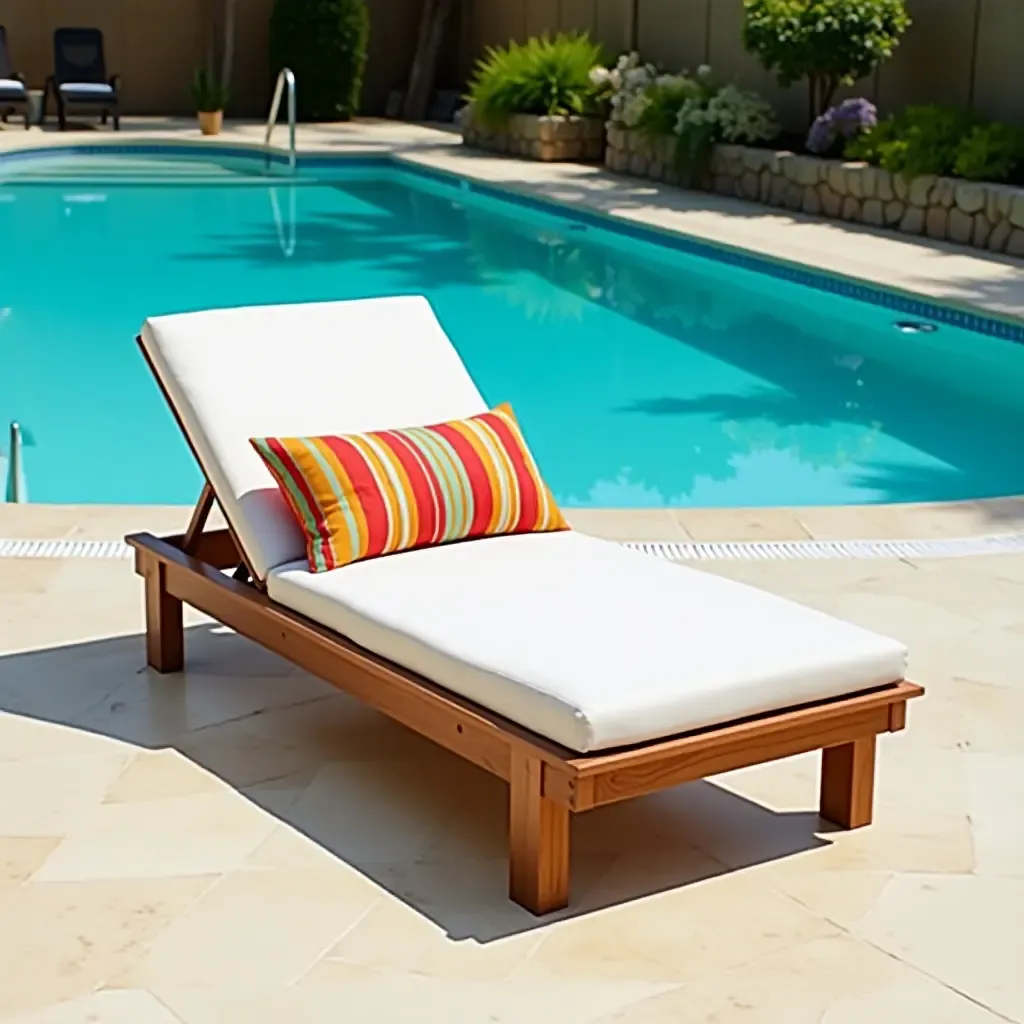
pixel 359 496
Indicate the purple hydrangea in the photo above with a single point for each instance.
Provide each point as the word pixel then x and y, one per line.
pixel 845 121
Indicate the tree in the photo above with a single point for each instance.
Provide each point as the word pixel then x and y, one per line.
pixel 227 64
pixel 828 42
pixel 433 18
pixel 324 43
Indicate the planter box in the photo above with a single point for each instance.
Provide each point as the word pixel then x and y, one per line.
pixel 971 213
pixel 538 138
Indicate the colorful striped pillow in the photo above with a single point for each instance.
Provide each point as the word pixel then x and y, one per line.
pixel 358 496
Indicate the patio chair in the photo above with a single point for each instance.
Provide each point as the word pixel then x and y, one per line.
pixel 12 85
pixel 79 79
pixel 580 672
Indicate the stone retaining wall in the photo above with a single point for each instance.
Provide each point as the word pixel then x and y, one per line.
pixel 540 138
pixel 972 213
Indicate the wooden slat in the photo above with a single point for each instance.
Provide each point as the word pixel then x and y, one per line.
pixel 698 762
pixel 215 547
pixel 197 523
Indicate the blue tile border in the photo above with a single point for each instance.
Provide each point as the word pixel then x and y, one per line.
pixel 920 308
pixel 914 306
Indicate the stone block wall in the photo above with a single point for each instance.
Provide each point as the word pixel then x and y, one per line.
pixel 539 138
pixel 978 214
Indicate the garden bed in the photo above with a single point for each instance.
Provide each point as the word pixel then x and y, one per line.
pixel 986 216
pixel 548 138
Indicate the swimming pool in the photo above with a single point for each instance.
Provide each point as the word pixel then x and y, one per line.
pixel 644 375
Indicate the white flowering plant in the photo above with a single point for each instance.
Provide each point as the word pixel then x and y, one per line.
pixel 693 108
pixel 626 87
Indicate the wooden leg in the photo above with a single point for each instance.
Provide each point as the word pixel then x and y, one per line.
pixel 848 783
pixel 165 632
pixel 538 841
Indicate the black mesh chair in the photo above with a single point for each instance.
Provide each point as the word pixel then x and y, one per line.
pixel 79 78
pixel 12 86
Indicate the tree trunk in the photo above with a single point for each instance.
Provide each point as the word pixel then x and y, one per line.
pixel 424 66
pixel 228 55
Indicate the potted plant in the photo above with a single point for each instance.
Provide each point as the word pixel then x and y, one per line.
pixel 538 99
pixel 210 97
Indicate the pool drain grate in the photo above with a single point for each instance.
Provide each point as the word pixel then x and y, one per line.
pixel 677 551
pixel 779 550
pixel 64 549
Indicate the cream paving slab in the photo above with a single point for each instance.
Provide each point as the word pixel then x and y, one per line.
pixel 678 935
pixel 707 524
pixel 255 927
pixel 202 834
pixel 968 931
pixel 62 794
pixel 835 980
pixel 62 940
pixel 160 775
pixel 335 992
pixel 20 856
pixel 996 783
pixel 108 1006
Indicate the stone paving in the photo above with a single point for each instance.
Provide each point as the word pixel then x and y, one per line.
pixel 244 843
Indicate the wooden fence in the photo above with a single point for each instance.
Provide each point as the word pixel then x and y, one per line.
pixel 966 52
pixel 958 51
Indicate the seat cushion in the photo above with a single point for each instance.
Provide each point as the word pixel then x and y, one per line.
pixel 87 91
pixel 588 643
pixel 12 89
pixel 233 374
pixel 359 496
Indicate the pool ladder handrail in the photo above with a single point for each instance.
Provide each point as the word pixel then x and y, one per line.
pixel 15 491
pixel 284 78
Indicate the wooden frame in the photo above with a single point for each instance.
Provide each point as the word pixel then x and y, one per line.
pixel 547 782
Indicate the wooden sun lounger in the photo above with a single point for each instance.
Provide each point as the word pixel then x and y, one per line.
pixel 547 782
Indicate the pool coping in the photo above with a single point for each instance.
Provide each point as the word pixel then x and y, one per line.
pixel 448 161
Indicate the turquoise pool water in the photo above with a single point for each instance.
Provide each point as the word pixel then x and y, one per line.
pixel 642 376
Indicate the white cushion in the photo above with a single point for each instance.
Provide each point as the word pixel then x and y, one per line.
pixel 96 88
pixel 306 369
pixel 11 85
pixel 585 642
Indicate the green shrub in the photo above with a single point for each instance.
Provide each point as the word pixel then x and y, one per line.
pixel 991 152
pixel 324 43
pixel 542 76
pixel 666 96
pixel 942 140
pixel 209 94
pixel 918 140
pixel 828 42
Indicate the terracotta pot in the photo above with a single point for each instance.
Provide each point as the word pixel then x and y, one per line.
pixel 211 121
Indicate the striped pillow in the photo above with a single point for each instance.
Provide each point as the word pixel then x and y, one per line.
pixel 358 496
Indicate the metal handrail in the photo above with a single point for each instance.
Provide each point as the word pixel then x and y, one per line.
pixel 285 77
pixel 15 491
